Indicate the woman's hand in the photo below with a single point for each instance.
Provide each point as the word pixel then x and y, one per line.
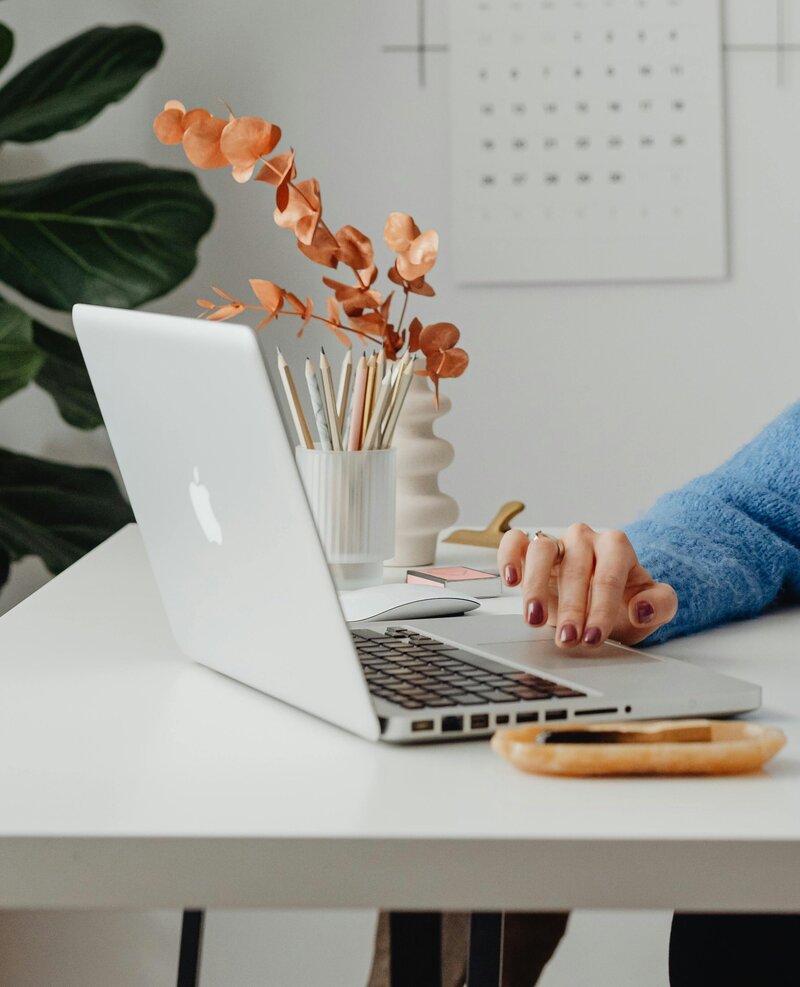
pixel 598 590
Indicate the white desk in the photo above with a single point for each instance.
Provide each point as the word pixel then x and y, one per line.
pixel 132 777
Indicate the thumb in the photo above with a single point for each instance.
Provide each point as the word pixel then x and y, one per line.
pixel 650 609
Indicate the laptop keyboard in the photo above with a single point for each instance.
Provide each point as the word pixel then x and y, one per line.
pixel 417 672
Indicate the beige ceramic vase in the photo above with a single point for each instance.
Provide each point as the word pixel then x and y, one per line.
pixel 422 509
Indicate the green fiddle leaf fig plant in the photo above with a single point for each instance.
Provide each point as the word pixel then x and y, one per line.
pixel 111 233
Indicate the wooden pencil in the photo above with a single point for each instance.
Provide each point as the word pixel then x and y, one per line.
pixel 330 401
pixel 357 406
pixel 318 405
pixel 343 393
pixel 391 423
pixel 371 365
pixel 384 392
pixel 295 407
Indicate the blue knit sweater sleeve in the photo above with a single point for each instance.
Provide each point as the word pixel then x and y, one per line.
pixel 729 542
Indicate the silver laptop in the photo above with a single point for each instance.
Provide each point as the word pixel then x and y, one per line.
pixel 232 543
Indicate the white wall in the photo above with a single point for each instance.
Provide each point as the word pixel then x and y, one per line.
pixel 584 401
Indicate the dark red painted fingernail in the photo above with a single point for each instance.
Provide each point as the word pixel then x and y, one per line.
pixel 645 612
pixel 568 634
pixel 511 575
pixel 535 613
pixel 593 635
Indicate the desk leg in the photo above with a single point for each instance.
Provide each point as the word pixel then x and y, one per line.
pixel 485 949
pixel 416 949
pixel 191 945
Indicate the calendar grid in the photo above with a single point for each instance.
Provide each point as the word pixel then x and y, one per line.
pixel 587 140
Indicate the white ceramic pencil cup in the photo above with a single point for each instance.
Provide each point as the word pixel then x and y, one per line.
pixel 352 498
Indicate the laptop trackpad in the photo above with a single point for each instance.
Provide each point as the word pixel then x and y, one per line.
pixel 546 656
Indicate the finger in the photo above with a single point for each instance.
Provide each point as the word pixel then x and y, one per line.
pixel 649 610
pixel 574 578
pixel 539 561
pixel 614 560
pixel 511 555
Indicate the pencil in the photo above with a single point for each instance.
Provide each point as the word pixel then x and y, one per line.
pixel 368 397
pixel 397 376
pixel 319 407
pixel 344 389
pixel 330 401
pixel 380 370
pixel 299 419
pixel 405 383
pixel 357 406
pixel 384 392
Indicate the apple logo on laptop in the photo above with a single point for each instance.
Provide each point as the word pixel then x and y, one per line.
pixel 201 502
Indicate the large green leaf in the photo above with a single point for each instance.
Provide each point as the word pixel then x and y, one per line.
pixel 64 375
pixel 19 358
pixel 55 511
pixel 6 44
pixel 112 233
pixel 65 87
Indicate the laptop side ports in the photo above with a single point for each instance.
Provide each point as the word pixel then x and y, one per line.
pixel 452 724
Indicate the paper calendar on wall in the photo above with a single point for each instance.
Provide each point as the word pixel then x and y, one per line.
pixel 587 140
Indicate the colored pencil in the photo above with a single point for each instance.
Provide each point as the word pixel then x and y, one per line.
pixel 296 409
pixel 343 393
pixel 384 392
pixel 319 407
pixel 330 401
pixel 371 366
pixel 391 423
pixel 357 406
pixel 380 370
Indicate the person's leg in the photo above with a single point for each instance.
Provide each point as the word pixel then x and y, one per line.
pixel 734 950
pixel 529 941
pixel 408 950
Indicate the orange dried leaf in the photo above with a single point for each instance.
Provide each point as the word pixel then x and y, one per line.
pixel 278 169
pixel 454 363
pixel 421 287
pixel 420 256
pixel 304 207
pixel 306 227
pixel 386 305
pixel 355 248
pixel 223 294
pixel 268 293
pixel 438 336
pixel 371 323
pixel 297 306
pixel 399 231
pixel 322 249
pixel 367 275
pixel 201 142
pixel 394 276
pixel 244 140
pixel 226 312
pixel 414 329
pixel 392 342
pixel 205 303
pixel 168 125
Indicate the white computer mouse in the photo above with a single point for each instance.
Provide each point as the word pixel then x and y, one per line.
pixel 399 601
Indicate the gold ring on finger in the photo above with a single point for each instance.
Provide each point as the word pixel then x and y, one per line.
pixel 556 541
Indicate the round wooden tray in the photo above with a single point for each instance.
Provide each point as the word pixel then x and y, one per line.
pixel 735 747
